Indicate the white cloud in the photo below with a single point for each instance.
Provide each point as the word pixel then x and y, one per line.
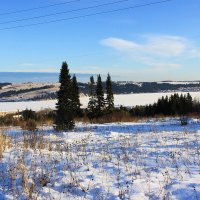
pixel 157 51
pixel 165 46
pixel 120 44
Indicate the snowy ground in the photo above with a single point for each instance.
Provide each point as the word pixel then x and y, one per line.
pixel 122 99
pixel 150 160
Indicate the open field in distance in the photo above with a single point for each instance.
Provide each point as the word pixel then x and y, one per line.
pixel 121 99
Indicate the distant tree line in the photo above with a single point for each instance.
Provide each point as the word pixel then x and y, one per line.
pixel 151 87
pixel 174 105
pixel 144 87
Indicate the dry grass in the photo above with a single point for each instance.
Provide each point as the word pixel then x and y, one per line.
pixel 119 116
pixel 5 143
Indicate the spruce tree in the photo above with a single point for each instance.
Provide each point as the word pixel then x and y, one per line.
pixel 181 105
pixel 110 96
pixel 76 97
pixel 92 86
pixel 100 97
pixel 92 100
pixel 189 103
pixel 65 113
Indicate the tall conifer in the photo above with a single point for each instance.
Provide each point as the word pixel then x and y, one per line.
pixel 100 97
pixel 65 113
pixel 110 96
pixel 92 100
pixel 76 97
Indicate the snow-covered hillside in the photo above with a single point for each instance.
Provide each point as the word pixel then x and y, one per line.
pixel 48 91
pixel 140 161
pixel 122 99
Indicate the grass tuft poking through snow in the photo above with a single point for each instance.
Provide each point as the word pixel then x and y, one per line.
pixel 153 160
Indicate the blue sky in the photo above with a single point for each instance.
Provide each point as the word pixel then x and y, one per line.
pixel 153 43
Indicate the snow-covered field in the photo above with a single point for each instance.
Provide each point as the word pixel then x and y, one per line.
pixel 179 82
pixel 150 160
pixel 122 99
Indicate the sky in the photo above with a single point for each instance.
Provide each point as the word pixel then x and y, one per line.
pixel 148 43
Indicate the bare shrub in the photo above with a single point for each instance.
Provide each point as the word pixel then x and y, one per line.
pixel 29 125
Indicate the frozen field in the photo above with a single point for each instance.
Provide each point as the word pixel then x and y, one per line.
pixel 122 99
pixel 150 160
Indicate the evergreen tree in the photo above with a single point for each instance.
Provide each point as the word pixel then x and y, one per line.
pixel 100 97
pixel 92 100
pixel 181 105
pixel 174 99
pixel 92 86
pixel 110 96
pixel 65 111
pixel 189 103
pixel 76 97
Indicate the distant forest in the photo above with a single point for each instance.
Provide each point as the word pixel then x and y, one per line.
pixel 144 87
pixel 168 106
pixel 127 88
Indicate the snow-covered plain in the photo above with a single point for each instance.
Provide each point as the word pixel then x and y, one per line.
pixel 121 99
pixel 150 160
pixel 179 82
